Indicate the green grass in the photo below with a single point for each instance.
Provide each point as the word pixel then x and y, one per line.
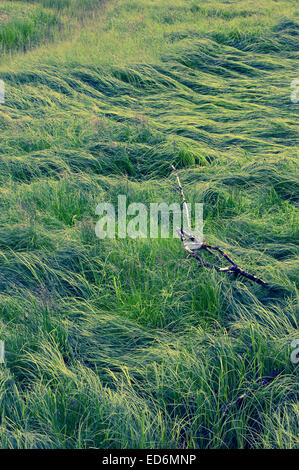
pixel 23 26
pixel 124 343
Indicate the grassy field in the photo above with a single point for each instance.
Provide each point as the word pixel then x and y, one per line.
pixel 125 343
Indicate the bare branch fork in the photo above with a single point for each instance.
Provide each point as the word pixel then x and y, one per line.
pixel 194 248
pixel 261 383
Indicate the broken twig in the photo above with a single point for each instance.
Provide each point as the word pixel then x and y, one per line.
pixel 261 383
pixel 194 247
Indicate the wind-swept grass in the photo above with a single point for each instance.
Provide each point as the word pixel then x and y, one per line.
pixel 124 343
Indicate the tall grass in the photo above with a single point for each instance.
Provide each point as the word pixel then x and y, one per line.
pixel 22 33
pixel 26 24
pixel 124 343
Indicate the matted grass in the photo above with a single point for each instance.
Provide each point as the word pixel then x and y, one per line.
pixel 123 343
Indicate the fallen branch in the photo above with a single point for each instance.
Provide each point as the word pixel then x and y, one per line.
pixel 260 384
pixel 194 248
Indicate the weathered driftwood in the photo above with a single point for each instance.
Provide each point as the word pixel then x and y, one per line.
pixel 197 246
